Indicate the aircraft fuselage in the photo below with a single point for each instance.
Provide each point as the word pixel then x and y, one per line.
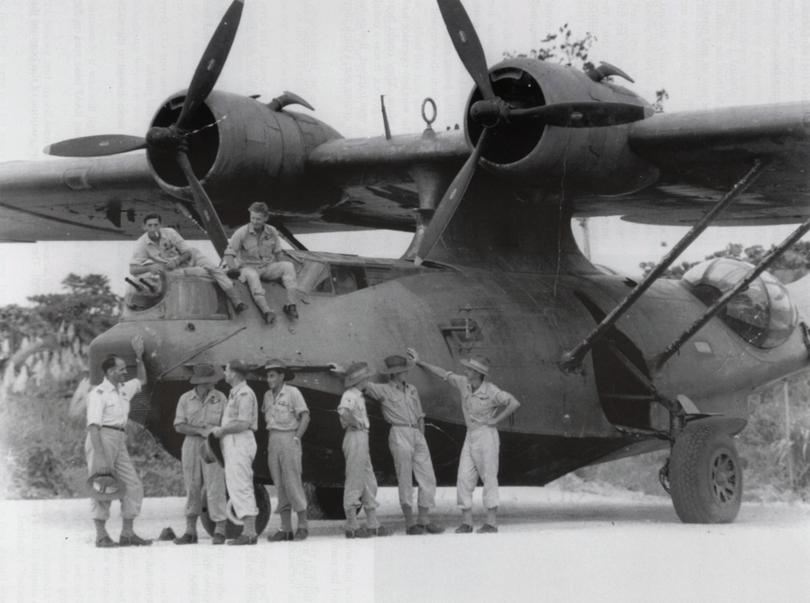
pixel 366 309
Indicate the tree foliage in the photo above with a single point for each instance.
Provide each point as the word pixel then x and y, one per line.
pixel 561 47
pixel 571 50
pixel 88 304
pixel 791 265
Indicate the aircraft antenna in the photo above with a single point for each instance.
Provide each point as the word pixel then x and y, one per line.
pixel 385 117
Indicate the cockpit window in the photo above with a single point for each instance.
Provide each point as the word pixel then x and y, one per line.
pixel 762 314
pixel 335 279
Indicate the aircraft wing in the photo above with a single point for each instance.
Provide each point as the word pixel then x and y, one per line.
pixel 701 154
pixel 84 199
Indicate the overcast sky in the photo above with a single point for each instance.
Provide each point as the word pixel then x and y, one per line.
pixel 80 67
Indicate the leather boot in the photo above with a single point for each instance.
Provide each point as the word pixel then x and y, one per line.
pixel 238 305
pixel 268 315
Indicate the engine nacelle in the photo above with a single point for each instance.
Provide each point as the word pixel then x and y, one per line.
pixel 582 159
pixel 233 134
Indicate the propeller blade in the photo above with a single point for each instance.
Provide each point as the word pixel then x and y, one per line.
pixel 450 201
pixel 467 44
pixel 211 63
pixel 95 146
pixel 205 208
pixel 584 114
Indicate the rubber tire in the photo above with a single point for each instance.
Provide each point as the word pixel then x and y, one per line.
pixel 330 502
pixel 232 530
pixel 705 475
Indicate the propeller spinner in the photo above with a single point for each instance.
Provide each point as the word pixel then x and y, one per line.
pixel 492 111
pixel 173 138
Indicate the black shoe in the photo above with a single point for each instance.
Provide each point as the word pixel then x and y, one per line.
pixel 432 528
pixel 487 529
pixel 105 542
pixel 415 530
pixel 358 533
pixel 269 317
pixel 218 539
pixel 280 536
pixel 301 534
pixel 186 539
pixel 233 273
pixel 240 307
pixel 133 540
pixel 244 539
pixel 464 528
pixel 291 311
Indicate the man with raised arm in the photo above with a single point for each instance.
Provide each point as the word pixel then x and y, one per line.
pixel 483 405
pixel 106 444
pixel 402 409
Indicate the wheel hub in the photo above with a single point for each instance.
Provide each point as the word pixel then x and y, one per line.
pixel 724 478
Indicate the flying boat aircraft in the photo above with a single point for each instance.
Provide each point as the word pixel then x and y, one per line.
pixel 605 366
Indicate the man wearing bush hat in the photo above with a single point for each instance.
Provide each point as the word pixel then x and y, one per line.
pixel 106 447
pixel 240 418
pixel 483 405
pixel 287 418
pixel 199 410
pixel 402 409
pixel 360 486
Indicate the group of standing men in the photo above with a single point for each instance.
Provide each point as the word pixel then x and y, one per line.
pixel 233 421
pixel 204 411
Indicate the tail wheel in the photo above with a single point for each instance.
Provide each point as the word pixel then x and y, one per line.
pixel 233 530
pixel 705 475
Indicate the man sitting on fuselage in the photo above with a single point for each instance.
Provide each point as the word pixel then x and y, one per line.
pixel 254 250
pixel 162 249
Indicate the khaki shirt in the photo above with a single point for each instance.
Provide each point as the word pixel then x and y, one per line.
pixel 251 249
pixel 168 247
pixel 108 405
pixel 200 413
pixel 283 412
pixel 354 402
pixel 241 406
pixel 480 405
pixel 399 406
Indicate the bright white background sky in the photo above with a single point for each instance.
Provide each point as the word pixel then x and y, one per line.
pixel 81 67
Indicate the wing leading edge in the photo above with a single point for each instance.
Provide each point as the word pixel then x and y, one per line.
pixel 699 156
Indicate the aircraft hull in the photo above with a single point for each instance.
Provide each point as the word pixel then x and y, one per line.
pixel 523 322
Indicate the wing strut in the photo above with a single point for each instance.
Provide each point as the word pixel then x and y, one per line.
pixel 769 259
pixel 572 359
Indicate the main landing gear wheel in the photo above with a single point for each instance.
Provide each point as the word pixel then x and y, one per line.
pixel 330 501
pixel 233 530
pixel 705 475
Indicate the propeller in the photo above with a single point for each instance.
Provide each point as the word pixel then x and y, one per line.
pixel 96 146
pixel 173 139
pixel 491 111
pixel 450 201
